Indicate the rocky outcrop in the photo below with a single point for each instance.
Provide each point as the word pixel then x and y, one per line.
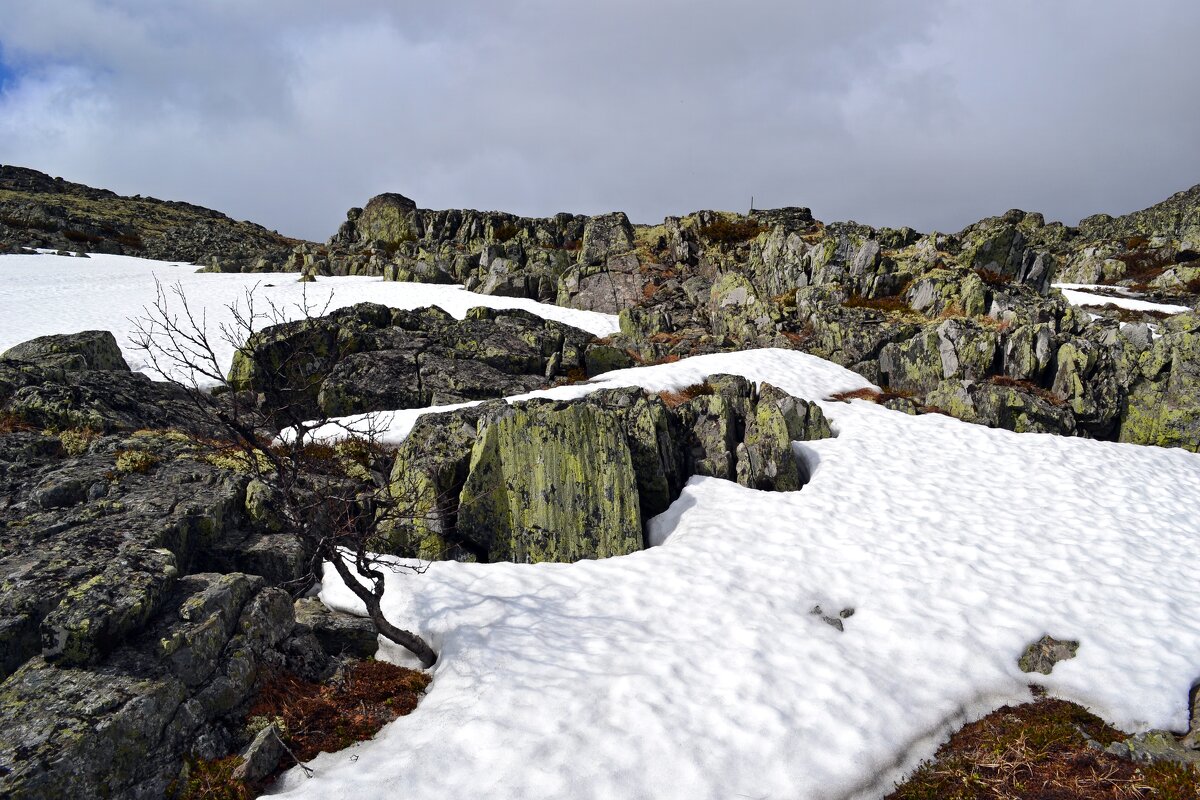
pixel 966 322
pixel 37 211
pixel 71 352
pixel 81 381
pixel 373 358
pixel 547 480
pixel 141 599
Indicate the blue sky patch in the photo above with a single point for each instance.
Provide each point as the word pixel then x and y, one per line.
pixel 8 73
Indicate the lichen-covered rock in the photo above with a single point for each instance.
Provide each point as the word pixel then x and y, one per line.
pixel 765 459
pixel 547 480
pixel 99 613
pixel 551 482
pixel 101 400
pixel 261 756
pixel 123 727
pixel 369 358
pixel 72 352
pixel 428 474
pixel 38 211
pixel 922 313
pixel 1042 655
pixel 1163 402
pixel 1155 746
pixel 604 236
pixel 606 287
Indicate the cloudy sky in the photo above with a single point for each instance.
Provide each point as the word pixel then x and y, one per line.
pixel 288 112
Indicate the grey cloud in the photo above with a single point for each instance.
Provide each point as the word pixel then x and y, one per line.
pixel 929 114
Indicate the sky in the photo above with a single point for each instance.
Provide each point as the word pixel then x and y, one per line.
pixel 289 112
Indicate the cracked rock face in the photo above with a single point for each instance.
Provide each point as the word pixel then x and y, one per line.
pixel 372 358
pixel 549 480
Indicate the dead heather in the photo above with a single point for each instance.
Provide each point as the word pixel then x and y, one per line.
pixel 313 718
pixel 894 304
pixel 1053 398
pixel 1045 750
pixel 685 395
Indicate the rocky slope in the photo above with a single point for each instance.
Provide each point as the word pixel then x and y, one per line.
pixel 142 598
pixel 964 323
pixel 37 211
pixel 149 581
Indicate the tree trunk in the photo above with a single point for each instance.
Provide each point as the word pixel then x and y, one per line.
pixel 406 639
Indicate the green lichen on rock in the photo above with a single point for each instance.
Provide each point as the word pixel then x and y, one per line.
pixel 97 614
pixel 71 352
pixel 551 482
pixel 1163 407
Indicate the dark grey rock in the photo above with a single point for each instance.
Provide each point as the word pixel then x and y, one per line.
pixel 261 756
pixel 338 633
pixel 1042 655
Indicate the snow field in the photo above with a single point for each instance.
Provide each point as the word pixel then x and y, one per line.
pixel 44 294
pixel 1077 294
pixel 696 670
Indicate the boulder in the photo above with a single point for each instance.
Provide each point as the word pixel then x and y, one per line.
pixel 72 352
pixel 548 480
pixel 338 633
pixel 1042 655
pixel 369 358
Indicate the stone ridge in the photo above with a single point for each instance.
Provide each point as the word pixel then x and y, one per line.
pixel 37 211
pixel 964 323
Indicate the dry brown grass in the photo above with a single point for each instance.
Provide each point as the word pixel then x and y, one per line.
pixel 686 394
pixel 895 304
pixel 1039 751
pixel 1053 398
pixel 322 718
pixel 11 423
pixel 874 395
pixel 666 337
pixel 993 278
pixel 723 231
pixel 314 718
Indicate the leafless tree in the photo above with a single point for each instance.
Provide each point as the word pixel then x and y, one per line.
pixel 332 497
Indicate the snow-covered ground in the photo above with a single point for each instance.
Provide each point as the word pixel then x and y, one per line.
pixel 1078 294
pixel 43 294
pixel 695 669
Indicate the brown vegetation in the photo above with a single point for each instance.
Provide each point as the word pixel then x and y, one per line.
pixel 686 394
pixel 895 304
pixel 1053 398
pixel 1040 751
pixel 505 231
pixel 724 231
pixel 325 718
pixel 874 395
pixel 993 278
pixel 10 423
pixel 313 718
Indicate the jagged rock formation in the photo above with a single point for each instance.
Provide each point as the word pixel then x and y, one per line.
pixel 140 601
pixel 370 357
pixel 547 480
pixel 37 211
pixel 965 323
